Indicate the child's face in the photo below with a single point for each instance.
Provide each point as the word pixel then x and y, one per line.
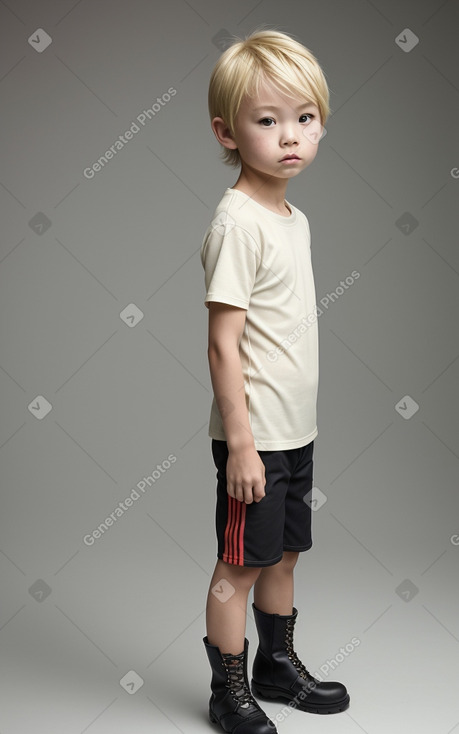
pixel 271 126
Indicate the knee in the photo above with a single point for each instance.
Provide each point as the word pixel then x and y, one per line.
pixel 289 560
pixel 241 577
pixel 247 577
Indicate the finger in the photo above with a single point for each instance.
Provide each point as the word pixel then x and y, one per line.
pixel 258 496
pixel 258 492
pixel 263 473
pixel 248 496
pixel 239 493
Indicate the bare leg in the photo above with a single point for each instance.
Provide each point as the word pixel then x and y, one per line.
pixel 226 619
pixel 273 592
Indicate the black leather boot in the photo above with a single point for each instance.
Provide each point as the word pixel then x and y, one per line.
pixel 279 674
pixel 231 704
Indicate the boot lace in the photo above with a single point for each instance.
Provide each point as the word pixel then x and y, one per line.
pixel 293 657
pixel 234 665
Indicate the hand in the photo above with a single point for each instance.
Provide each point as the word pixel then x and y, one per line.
pixel 245 475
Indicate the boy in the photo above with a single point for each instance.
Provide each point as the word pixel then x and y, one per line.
pixel 268 101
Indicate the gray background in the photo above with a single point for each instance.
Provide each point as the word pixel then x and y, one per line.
pixel 381 198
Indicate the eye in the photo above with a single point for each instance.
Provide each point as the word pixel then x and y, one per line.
pixel 306 114
pixel 266 121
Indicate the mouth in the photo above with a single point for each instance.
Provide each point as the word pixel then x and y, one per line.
pixel 292 157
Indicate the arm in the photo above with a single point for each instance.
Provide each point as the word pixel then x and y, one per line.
pixel 245 470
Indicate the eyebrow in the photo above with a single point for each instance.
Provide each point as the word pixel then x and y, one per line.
pixel 276 109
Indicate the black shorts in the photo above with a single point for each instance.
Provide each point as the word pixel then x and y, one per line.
pixel 257 534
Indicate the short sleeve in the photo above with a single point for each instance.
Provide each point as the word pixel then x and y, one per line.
pixel 230 257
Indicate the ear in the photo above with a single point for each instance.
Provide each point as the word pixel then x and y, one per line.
pixel 222 133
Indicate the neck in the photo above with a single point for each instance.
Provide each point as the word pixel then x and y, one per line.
pixel 266 190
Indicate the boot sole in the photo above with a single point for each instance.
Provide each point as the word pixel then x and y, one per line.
pixel 268 693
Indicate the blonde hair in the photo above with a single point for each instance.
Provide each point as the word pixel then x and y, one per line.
pixel 264 55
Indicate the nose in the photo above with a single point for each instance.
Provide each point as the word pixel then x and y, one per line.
pixel 289 138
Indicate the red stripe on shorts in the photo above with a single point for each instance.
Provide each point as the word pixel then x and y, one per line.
pixel 234 532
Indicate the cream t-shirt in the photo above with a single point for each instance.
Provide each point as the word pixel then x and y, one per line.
pixel 261 261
